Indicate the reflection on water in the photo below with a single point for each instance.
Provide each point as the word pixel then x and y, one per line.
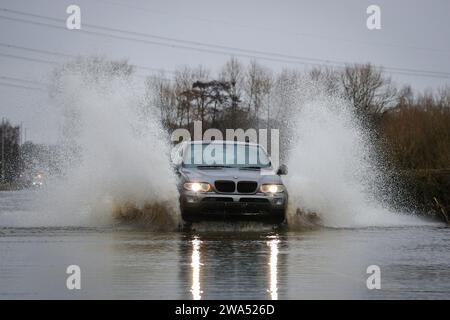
pixel 273 245
pixel 133 264
pixel 195 264
pixel 215 259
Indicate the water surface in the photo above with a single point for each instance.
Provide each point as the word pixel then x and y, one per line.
pixel 132 263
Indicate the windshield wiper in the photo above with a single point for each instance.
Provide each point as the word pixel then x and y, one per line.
pixel 250 168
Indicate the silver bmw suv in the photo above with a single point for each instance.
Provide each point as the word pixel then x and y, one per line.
pixel 228 180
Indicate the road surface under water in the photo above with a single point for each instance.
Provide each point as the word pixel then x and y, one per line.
pixel 128 262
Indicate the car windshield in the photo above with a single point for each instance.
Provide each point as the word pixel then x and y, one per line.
pixel 225 155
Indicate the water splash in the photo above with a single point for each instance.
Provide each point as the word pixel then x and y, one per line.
pixel 116 155
pixel 333 166
pixel 123 150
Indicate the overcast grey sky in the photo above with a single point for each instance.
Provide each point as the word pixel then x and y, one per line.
pixel 413 43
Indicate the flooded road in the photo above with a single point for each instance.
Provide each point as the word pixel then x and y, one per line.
pixel 131 263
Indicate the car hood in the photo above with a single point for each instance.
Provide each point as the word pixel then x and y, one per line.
pixel 212 174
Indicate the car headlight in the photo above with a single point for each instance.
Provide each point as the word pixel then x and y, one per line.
pixel 197 186
pixel 272 188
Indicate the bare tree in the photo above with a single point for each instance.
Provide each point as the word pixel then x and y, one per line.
pixel 258 83
pixel 233 73
pixel 443 97
pixel 368 90
pixel 160 94
pixel 328 78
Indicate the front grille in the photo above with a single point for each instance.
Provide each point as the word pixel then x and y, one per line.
pixel 217 199
pixel 225 186
pixel 247 186
pixel 254 200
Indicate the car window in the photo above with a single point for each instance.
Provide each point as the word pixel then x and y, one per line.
pixel 217 154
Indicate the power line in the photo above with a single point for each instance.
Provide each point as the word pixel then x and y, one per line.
pixel 271 30
pixel 187 42
pixel 66 55
pixel 245 52
pixel 71 56
pixel 58 27
pixel 20 86
pixel 224 49
pixel 27 58
pixel 12 46
pixel 23 80
pixel 153 42
pixel 55 63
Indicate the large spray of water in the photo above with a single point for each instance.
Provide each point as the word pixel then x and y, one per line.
pixel 334 170
pixel 123 165
pixel 116 155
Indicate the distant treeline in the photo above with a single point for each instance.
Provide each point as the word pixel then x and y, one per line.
pixel 413 129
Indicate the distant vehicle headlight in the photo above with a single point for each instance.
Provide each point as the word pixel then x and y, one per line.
pixel 197 186
pixel 272 188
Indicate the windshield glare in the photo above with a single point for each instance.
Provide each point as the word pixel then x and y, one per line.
pixel 230 155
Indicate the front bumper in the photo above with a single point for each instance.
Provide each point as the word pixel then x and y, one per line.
pixel 249 207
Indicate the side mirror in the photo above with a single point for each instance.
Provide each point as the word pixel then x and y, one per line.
pixel 175 166
pixel 282 170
